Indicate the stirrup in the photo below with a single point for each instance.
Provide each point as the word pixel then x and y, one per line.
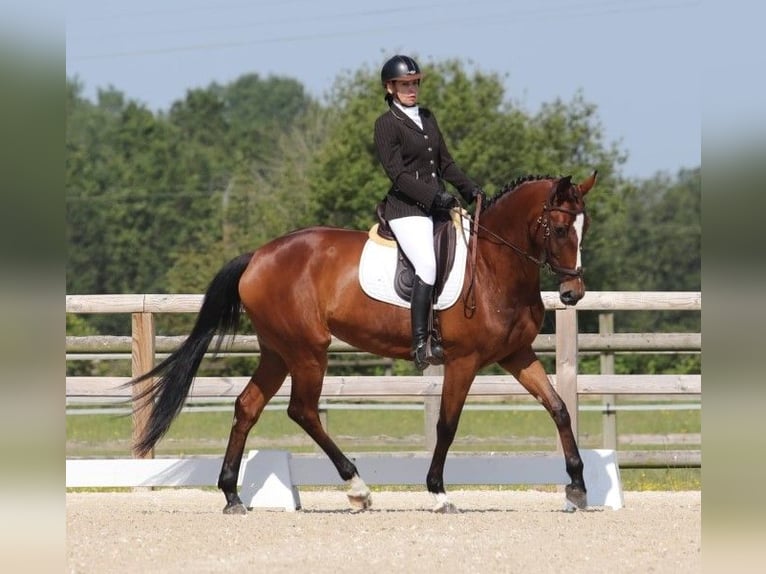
pixel 420 356
pixel 434 352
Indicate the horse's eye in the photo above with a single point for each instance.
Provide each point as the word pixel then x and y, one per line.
pixel 560 231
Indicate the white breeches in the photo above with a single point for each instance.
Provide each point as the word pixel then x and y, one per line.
pixel 415 236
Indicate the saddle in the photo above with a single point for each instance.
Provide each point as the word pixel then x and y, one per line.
pixel 445 242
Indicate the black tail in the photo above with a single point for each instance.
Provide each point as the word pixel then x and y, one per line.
pixel 219 314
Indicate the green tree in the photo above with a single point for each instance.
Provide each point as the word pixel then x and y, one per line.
pixel 650 240
pixel 145 191
pixel 664 242
pixel 655 246
pixel 259 111
pixel 128 205
pixel 242 128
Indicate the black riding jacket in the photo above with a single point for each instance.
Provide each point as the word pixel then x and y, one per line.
pixel 416 161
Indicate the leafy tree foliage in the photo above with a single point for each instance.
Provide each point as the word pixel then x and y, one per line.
pixel 145 190
pixel 657 239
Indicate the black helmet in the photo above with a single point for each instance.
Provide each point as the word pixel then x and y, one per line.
pixel 399 68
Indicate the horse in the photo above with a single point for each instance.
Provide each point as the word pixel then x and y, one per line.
pixel 301 289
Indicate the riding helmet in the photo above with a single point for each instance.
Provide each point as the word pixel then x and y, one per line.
pixel 400 68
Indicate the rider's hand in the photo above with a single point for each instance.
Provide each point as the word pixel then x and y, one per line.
pixel 475 193
pixel 444 200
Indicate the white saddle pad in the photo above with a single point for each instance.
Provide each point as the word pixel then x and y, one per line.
pixel 378 265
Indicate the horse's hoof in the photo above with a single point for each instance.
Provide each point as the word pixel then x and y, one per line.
pixel 235 508
pixel 445 507
pixel 359 496
pixel 576 498
pixel 360 502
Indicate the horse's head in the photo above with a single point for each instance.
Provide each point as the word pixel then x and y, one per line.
pixel 560 230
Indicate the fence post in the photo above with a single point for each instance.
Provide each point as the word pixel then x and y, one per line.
pixel 609 420
pixel 431 404
pixel 566 363
pixel 142 348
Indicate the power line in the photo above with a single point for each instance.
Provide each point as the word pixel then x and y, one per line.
pixel 588 10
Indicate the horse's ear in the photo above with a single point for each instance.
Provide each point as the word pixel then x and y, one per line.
pixel 585 186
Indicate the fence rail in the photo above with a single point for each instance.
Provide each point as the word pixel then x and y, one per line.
pixel 588 342
pixel 593 301
pixel 566 343
pixel 398 386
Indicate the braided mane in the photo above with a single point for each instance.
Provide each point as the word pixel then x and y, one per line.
pixel 512 185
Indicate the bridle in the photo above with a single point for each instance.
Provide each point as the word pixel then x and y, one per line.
pixel 544 262
pixel 543 221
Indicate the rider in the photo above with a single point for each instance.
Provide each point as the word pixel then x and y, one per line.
pixel 412 151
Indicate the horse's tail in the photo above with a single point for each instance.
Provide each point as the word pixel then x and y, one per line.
pixel 219 314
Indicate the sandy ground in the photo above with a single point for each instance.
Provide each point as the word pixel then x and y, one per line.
pixel 184 531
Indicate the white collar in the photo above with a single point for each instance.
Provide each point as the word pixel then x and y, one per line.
pixel 412 112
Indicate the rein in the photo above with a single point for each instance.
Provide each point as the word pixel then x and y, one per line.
pixel 469 303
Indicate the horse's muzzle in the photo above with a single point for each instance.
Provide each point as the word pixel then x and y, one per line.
pixel 571 291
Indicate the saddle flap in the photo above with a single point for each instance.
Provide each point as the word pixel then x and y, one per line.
pixel 379 262
pixel 445 242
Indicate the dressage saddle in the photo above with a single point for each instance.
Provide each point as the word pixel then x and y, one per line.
pixel 445 243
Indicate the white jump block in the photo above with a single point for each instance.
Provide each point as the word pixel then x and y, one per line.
pixel 132 472
pixel 269 479
pixel 602 478
pixel 266 481
pixel 264 476
pixel 601 474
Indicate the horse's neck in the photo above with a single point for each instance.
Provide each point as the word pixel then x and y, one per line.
pixel 507 246
pixel 510 219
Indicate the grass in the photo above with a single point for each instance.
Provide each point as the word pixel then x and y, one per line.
pixel 206 433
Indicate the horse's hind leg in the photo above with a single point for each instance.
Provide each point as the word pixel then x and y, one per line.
pixel 304 410
pixel 529 371
pixel 266 380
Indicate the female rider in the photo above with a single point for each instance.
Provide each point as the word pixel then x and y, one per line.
pixel 412 151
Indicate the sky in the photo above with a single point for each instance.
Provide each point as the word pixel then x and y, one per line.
pixel 638 61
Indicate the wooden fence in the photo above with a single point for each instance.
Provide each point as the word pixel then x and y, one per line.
pixel 567 343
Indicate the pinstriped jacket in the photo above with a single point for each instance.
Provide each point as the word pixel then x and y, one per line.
pixel 416 161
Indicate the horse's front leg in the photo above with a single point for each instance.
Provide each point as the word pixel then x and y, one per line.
pixel 529 371
pixel 268 377
pixel 455 387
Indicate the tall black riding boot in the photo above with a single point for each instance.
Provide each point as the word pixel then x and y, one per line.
pixel 419 311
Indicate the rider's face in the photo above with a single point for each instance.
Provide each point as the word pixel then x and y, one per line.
pixel 405 91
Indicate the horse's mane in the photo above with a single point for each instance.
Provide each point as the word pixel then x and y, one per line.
pixel 512 185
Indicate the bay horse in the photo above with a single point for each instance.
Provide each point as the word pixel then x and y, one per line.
pixel 302 288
